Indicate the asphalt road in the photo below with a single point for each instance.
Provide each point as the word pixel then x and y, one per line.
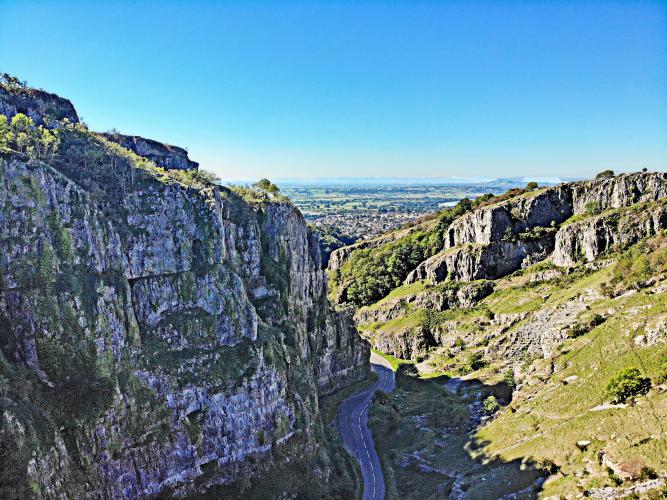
pixel 353 429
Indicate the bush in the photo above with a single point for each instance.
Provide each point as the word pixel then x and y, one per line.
pixel 508 378
pixel 491 405
pixel 583 328
pixel 661 378
pixel 627 384
pixel 531 186
pixel 475 361
pixel 592 208
pixel 459 342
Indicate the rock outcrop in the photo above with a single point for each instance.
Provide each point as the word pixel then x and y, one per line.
pixel 552 206
pixel 163 155
pixel 588 239
pixel 472 262
pixel 156 338
pixel 493 241
pixel 438 299
pixel 567 225
pixel 44 108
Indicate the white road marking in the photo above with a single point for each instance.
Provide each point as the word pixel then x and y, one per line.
pixel 365 399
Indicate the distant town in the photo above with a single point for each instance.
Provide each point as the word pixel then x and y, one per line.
pixel 358 210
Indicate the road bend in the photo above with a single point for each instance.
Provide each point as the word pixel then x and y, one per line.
pixel 353 428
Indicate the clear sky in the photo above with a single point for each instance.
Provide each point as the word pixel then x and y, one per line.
pixel 366 89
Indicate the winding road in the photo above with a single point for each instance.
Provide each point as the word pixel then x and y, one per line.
pixel 353 428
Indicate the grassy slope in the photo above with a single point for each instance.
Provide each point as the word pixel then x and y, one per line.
pixel 546 420
pixel 547 415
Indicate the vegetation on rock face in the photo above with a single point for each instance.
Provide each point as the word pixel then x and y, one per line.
pixel 258 196
pixel 22 136
pixel 637 264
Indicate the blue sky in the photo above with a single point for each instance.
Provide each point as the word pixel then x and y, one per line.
pixel 368 89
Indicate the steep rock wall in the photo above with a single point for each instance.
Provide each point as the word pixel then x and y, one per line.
pixel 156 338
pixel 588 239
pixel 44 108
pixel 164 155
pixel 497 240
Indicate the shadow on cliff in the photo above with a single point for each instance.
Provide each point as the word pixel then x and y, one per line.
pixel 427 440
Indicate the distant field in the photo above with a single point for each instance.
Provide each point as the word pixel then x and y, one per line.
pixel 366 210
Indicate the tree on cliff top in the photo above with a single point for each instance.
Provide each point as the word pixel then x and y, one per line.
pixel 605 174
pixel 266 185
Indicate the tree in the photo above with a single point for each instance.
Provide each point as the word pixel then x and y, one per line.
pixel 605 174
pixel 491 405
pixel 22 123
pixel 266 185
pixel 531 186
pixel 627 384
pixel 22 136
pixel 475 361
pixel 5 135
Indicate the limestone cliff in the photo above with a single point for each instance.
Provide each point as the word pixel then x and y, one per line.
pixel 159 334
pixel 42 107
pixel 494 241
pixel 163 155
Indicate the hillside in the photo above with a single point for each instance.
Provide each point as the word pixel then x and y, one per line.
pixel 160 335
pixel 541 300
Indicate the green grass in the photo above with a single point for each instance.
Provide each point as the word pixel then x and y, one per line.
pixel 393 360
pixel 402 291
pixel 410 320
pixel 550 418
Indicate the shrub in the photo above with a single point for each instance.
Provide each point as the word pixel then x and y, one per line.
pixel 627 384
pixel 661 378
pixel 491 405
pixel 531 186
pixel 583 328
pixel 592 208
pixel 475 361
pixel 508 378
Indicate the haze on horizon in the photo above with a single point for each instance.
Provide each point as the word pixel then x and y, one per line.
pixel 369 89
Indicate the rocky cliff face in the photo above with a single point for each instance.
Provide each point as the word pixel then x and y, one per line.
pixel 163 155
pixel 158 336
pixel 42 107
pixel 497 240
pixel 588 239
